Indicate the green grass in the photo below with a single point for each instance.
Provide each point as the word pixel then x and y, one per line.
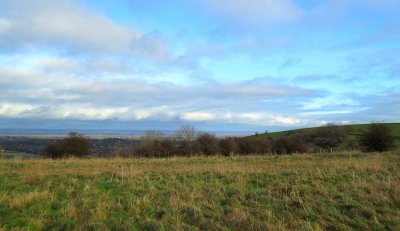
pixel 18 155
pixel 349 191
pixel 351 132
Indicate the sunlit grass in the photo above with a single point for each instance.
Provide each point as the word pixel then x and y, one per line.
pixel 299 192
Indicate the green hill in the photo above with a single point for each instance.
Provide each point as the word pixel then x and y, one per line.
pixel 351 131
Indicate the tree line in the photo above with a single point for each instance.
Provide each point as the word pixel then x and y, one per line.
pixel 188 141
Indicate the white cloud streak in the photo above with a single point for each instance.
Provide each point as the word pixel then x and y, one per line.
pixel 45 90
pixel 61 25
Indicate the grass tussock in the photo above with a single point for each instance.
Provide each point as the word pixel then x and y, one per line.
pixel 300 192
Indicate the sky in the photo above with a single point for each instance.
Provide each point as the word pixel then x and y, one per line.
pixel 219 65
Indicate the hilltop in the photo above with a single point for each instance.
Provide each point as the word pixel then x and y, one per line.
pixel 351 131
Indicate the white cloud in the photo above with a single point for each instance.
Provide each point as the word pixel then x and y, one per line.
pixel 62 95
pixel 198 116
pixel 249 118
pixel 66 27
pixel 267 119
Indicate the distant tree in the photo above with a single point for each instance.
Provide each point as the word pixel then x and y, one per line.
pixel 74 145
pixel 77 145
pixel 185 138
pixel 153 144
pixel 328 136
pixel 151 136
pixel 208 144
pixel 378 138
pixel 187 133
pixel 251 145
pixel 294 143
pixel 124 150
pixel 352 143
pixel 229 145
pixel 55 150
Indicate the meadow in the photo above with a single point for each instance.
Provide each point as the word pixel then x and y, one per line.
pixel 351 131
pixel 347 191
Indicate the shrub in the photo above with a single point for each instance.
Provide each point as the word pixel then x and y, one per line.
pixel 378 138
pixel 208 144
pixel 154 144
pixel 74 145
pixel 77 145
pixel 229 146
pixel 328 136
pixel 255 146
pixel 54 149
pixel 294 143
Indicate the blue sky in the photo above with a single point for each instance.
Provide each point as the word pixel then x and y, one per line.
pixel 239 65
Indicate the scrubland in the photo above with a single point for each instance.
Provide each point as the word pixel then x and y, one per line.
pixel 289 192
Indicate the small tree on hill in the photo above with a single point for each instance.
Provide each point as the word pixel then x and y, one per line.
pixel 378 138
pixel 77 145
pixel 74 145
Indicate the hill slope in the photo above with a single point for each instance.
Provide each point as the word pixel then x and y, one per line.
pixel 351 131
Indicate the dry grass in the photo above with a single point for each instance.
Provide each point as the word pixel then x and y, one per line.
pixel 299 192
pixel 22 200
pixel 34 170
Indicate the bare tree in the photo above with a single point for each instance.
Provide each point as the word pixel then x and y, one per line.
pixel 185 137
pixel 186 133
pixel 151 136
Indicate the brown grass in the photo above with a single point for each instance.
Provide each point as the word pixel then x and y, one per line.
pixel 300 192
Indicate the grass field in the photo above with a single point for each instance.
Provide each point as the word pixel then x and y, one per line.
pixel 18 155
pixel 299 192
pixel 351 130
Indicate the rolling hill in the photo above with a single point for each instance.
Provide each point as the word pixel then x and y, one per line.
pixel 351 131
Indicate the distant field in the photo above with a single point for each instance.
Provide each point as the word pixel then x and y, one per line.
pixel 299 192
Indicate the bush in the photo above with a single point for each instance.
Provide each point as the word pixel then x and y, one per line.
pixel 329 136
pixel 252 145
pixel 294 143
pixel 208 144
pixel 74 145
pixel 54 149
pixel 154 144
pixel 229 146
pixel 378 138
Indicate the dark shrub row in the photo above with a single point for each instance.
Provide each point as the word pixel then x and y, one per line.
pixel 189 142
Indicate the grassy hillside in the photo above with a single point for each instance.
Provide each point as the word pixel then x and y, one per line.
pixel 351 130
pixel 299 192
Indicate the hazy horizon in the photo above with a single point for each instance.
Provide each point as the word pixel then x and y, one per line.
pixel 243 65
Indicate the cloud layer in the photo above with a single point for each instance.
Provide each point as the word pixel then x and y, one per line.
pixel 263 63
